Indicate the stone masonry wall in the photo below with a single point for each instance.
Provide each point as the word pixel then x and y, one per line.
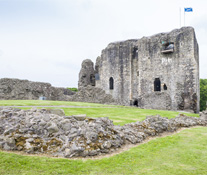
pixel 46 131
pixel 92 94
pixel 134 66
pixel 86 74
pixel 15 89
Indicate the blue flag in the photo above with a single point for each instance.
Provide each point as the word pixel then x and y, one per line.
pixel 188 9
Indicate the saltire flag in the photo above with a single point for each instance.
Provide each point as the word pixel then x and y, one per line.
pixel 188 9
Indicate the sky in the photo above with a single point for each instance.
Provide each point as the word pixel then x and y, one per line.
pixel 47 40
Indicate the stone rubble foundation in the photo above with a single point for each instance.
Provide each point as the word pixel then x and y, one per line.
pixel 49 131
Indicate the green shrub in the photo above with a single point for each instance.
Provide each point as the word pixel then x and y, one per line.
pixel 73 89
pixel 203 94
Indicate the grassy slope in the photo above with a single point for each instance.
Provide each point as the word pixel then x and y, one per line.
pixel 184 153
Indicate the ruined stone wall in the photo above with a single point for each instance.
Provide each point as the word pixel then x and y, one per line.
pixel 86 74
pixel 15 89
pixel 92 94
pixel 116 63
pixel 135 64
pixel 177 70
pixel 49 131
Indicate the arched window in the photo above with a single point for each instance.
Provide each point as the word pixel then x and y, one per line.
pixel 157 84
pixel 111 83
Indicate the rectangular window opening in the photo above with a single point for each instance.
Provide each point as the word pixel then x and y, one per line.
pixel 135 52
pixel 167 47
pixel 97 77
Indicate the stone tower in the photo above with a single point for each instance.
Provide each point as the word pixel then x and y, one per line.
pixel 157 72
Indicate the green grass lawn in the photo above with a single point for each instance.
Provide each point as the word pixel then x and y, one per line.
pixel 184 153
pixel 119 114
pixel 48 103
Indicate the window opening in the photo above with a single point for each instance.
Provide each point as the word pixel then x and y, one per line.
pixel 97 77
pixel 111 83
pixel 167 47
pixel 92 80
pixel 135 52
pixel 165 87
pixel 157 84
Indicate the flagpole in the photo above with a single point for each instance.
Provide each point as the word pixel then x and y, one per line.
pixel 180 17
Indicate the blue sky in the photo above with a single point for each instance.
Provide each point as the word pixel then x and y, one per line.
pixel 46 40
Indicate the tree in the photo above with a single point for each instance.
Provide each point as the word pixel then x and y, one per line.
pixel 203 94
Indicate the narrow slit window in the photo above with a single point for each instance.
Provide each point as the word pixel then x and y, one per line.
pixel 135 52
pixel 165 87
pixel 92 80
pixel 111 83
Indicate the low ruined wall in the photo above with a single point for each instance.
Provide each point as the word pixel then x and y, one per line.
pixel 43 131
pixel 93 94
pixel 15 89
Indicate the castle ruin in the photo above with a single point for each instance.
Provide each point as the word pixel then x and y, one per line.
pixel 157 72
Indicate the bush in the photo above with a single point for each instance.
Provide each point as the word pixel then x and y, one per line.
pixel 203 94
pixel 73 89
